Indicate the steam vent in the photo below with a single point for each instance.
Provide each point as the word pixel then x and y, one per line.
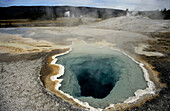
pixel 99 76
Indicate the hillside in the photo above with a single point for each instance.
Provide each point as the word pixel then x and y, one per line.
pixel 53 12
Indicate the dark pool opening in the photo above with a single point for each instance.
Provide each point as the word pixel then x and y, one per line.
pixel 99 76
pixel 95 77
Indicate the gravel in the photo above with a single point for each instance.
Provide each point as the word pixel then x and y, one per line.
pixel 21 89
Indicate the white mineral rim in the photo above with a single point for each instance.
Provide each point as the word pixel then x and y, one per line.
pixel 150 89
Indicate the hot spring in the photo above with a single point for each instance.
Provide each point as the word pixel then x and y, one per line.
pixel 100 76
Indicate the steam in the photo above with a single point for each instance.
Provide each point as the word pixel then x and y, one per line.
pixel 146 5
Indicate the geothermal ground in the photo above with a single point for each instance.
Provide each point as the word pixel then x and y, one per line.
pixel 25 55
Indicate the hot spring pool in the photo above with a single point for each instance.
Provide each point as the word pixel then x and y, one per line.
pixel 100 76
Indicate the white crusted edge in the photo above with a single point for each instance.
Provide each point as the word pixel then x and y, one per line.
pixel 140 92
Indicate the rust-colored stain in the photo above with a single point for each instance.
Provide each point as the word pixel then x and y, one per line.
pixel 153 74
pixel 49 70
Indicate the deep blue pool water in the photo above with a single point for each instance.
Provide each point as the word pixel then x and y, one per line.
pixel 100 76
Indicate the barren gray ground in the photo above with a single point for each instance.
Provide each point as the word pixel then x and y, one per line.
pixel 20 88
